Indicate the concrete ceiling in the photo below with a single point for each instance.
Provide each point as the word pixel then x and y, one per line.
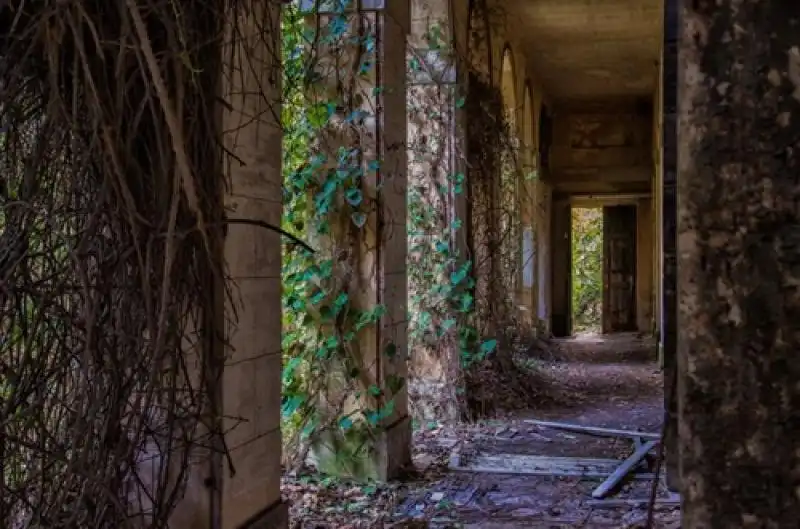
pixel 582 49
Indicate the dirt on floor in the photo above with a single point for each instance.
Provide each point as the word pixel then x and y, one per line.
pixel 618 386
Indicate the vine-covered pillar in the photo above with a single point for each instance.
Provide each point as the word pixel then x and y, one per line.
pixel 669 309
pixel 359 78
pixel 739 263
pixel 438 257
pixel 251 380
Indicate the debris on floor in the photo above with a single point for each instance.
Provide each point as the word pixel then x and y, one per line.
pixel 523 471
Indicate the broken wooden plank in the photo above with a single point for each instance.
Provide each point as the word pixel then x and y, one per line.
pixel 671 501
pixel 539 466
pixel 595 430
pixel 623 470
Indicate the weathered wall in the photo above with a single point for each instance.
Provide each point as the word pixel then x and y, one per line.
pixel 544 277
pixel 251 394
pixel 644 265
pixel 536 194
pixel 669 270
pixel 656 183
pixel 739 263
pixel 602 147
pixel 561 249
pixel 433 112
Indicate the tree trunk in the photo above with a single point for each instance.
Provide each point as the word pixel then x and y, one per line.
pixel 739 263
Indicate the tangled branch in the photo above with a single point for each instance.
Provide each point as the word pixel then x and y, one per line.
pixel 111 221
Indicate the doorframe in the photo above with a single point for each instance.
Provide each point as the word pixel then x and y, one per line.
pixel 596 200
pixel 635 275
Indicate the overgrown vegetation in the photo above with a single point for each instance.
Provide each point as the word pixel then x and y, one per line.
pixel 337 394
pixel 336 398
pixel 587 269
pixel 111 249
pixel 110 224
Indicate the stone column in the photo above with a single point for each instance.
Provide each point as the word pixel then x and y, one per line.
pixel 437 185
pixel 544 271
pixel 739 263
pixel 361 66
pixel 561 268
pixel 251 387
pixel 644 265
pixel 668 245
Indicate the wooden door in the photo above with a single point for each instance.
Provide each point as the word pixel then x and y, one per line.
pixel 619 269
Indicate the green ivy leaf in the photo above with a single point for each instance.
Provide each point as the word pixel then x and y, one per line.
pixel 317 297
pixel 359 219
pixel 458 276
pixel 353 197
pixel 292 404
pixel 488 346
pixel 387 410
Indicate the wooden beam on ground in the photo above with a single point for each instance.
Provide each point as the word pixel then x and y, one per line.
pixel 595 431
pixel 540 466
pixel 672 501
pixel 623 470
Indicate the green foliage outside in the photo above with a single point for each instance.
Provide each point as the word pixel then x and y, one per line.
pixel 587 269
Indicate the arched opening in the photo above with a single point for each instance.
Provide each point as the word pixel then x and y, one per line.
pixel 508 87
pixel 528 120
pixel 528 291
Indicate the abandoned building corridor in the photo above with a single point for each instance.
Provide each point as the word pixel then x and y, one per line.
pixel 311 264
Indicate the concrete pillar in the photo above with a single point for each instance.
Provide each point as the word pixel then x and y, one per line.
pixel 561 269
pixel 251 384
pixel 644 265
pixel 739 263
pixel 362 68
pixel 656 185
pixel 437 179
pixel 544 249
pixel 668 244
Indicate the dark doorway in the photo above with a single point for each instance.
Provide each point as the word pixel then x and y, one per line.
pixel 619 269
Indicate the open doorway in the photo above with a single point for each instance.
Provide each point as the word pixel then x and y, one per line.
pixel 587 270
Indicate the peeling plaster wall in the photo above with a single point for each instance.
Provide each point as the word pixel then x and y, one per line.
pixel 644 265
pixel 602 147
pixel 657 183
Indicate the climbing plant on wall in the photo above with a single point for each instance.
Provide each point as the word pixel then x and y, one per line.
pixel 334 399
pixel 332 189
pixel 463 267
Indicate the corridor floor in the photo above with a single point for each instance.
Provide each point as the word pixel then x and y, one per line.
pixel 613 382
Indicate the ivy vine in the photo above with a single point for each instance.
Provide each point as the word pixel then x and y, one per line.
pixel 328 390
